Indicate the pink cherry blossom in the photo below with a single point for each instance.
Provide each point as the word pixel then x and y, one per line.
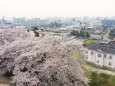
pixel 40 61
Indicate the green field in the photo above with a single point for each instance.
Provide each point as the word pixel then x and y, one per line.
pixel 88 41
pixel 76 53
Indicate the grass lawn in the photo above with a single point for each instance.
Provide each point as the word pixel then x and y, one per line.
pixel 88 41
pixel 76 54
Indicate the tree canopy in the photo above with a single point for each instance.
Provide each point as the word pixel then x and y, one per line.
pixel 39 61
pixel 80 34
pixel 112 33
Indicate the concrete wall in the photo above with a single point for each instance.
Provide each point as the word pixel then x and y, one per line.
pixel 101 61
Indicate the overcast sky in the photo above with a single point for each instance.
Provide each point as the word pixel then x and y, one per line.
pixel 59 8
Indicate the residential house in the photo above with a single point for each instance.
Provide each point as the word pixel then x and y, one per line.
pixel 101 53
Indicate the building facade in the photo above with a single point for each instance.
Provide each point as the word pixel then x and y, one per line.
pixel 32 22
pixel 19 21
pixel 102 54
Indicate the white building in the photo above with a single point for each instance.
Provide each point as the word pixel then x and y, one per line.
pixel 32 22
pixel 101 53
pixel 19 21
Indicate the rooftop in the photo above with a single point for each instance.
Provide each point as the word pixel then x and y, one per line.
pixel 105 47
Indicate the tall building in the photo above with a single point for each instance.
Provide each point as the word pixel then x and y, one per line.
pixel 19 21
pixel 32 22
pixel 108 23
pixel 5 22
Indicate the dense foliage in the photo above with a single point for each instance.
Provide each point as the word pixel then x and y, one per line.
pixel 52 25
pixel 101 79
pixel 112 33
pixel 80 34
pixel 88 41
pixel 36 61
pixel 35 29
pixel 36 33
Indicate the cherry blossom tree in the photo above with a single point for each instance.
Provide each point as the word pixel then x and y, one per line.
pixel 40 61
pixel 96 37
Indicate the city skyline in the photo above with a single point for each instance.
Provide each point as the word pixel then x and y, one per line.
pixel 60 8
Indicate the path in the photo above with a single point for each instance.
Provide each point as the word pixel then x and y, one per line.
pixel 4 81
pixel 3 84
pixel 89 68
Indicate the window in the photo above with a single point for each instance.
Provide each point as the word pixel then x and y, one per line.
pixel 110 57
pixel 99 55
pixel 91 53
pixel 105 56
pixel 86 58
pixel 109 63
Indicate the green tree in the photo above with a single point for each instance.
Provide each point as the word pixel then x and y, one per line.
pixel 27 30
pixel 87 34
pixel 99 79
pixel 77 33
pixel 73 33
pixel 93 81
pixel 35 28
pixel 82 33
pixel 36 34
pixel 112 33
pixel 93 75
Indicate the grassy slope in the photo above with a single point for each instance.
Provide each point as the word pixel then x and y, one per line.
pixel 88 41
pixel 99 79
pixel 76 54
pixel 110 80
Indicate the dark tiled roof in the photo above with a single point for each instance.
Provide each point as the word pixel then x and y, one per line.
pixel 108 48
